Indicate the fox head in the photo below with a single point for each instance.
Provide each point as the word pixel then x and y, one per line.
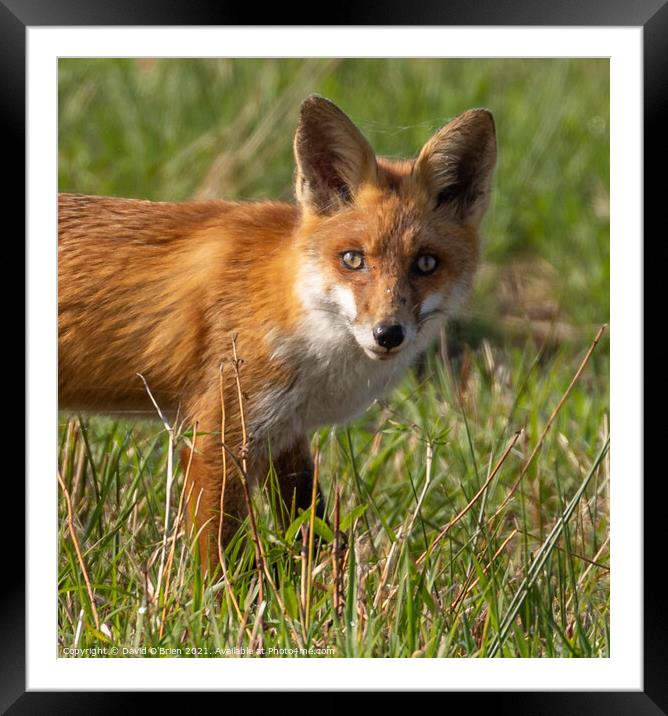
pixel 388 247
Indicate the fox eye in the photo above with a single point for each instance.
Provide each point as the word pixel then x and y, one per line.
pixel 426 264
pixel 353 260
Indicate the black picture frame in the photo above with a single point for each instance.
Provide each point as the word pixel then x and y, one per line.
pixel 17 15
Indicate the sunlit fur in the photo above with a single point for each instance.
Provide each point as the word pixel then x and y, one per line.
pixel 160 289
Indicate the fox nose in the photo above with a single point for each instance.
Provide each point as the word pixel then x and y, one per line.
pixel 388 335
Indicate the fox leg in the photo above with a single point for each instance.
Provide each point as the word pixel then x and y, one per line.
pixel 294 471
pixel 205 493
pixel 210 488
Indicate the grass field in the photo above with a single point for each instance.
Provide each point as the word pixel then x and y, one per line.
pixel 474 500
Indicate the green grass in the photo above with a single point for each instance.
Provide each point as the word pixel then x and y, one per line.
pixel 524 571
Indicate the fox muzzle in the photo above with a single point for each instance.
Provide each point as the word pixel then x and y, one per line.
pixel 389 335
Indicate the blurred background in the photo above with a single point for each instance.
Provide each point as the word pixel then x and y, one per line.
pixel 175 129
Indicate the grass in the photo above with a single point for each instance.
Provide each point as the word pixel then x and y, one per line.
pixel 476 522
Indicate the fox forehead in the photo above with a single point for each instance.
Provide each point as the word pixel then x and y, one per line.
pixel 392 227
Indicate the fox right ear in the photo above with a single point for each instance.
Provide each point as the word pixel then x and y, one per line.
pixel 457 164
pixel 333 158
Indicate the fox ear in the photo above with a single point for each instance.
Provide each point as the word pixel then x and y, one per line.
pixel 457 164
pixel 333 158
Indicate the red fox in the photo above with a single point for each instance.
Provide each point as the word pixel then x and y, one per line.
pixel 330 299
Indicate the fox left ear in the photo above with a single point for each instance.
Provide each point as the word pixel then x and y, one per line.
pixel 457 164
pixel 333 158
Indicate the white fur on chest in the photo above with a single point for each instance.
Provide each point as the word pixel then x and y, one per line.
pixel 333 383
pixel 341 387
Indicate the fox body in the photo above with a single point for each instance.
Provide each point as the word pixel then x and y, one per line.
pixel 327 300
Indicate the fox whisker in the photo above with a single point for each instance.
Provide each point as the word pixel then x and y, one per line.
pixel 432 314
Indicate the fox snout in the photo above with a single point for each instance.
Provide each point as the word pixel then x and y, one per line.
pixel 384 338
pixel 389 335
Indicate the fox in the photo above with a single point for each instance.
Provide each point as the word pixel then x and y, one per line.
pixel 326 300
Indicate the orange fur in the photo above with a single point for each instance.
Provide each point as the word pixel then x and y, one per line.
pixel 160 289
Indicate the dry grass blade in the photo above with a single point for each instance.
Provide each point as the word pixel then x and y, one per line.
pixel 311 535
pixel 170 479
pixel 77 549
pixel 337 555
pixel 256 634
pixel 470 585
pixel 221 553
pixel 259 553
pixel 542 555
pixel 592 563
pixel 405 529
pixel 548 424
pixel 472 501
pixel 177 526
